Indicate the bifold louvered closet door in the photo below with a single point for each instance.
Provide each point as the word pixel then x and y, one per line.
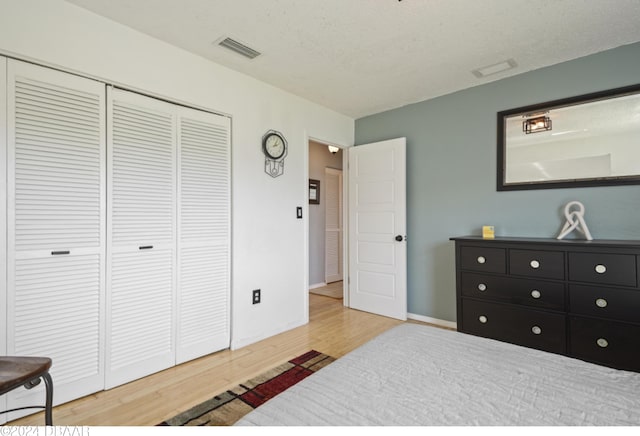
pixel 142 237
pixel 204 233
pixel 56 226
pixel 3 219
pixel 169 227
pixel 118 231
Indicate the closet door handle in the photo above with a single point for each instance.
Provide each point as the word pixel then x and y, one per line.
pixel 57 253
pixel 145 247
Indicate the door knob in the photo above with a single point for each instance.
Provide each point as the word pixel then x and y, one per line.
pixel 399 238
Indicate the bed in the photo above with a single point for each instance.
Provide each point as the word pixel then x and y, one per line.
pixel 417 375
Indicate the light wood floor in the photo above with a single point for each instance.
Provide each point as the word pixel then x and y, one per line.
pixel 333 290
pixel 333 330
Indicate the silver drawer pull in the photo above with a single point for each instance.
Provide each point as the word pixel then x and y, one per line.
pixel 535 293
pixel 534 264
pixel 601 302
pixel 482 287
pixel 481 259
pixel 601 269
pixel 602 343
pixel 482 319
pixel 536 330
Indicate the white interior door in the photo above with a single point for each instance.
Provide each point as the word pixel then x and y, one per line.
pixel 377 228
pixel 204 228
pixel 3 220
pixel 141 237
pixel 56 224
pixel 333 225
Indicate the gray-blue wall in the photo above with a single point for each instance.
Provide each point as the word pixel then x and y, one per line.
pixel 451 171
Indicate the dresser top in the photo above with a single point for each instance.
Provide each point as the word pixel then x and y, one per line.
pixel 551 241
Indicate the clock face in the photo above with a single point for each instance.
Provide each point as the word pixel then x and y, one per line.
pixel 273 146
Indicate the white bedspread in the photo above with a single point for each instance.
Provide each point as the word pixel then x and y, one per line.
pixel 420 375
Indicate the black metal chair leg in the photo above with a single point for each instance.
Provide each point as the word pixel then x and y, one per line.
pixel 48 413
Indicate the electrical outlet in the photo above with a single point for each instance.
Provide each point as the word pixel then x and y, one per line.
pixel 256 296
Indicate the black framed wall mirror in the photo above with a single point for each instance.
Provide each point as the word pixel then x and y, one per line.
pixel 588 140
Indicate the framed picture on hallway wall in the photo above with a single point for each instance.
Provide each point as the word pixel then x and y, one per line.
pixel 314 191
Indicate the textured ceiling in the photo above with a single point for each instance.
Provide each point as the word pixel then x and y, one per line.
pixel 360 57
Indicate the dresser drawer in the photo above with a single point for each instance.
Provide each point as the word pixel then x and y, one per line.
pixel 483 259
pixel 529 292
pixel 619 304
pixel 605 342
pixel 612 269
pixel 530 328
pixel 537 263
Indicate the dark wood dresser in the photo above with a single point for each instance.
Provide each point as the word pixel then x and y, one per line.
pixel 571 297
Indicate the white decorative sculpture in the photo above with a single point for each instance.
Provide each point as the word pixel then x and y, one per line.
pixel 575 220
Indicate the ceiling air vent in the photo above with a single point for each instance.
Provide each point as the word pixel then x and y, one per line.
pixel 494 69
pixel 239 48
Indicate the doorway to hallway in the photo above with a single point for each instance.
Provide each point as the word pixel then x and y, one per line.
pixel 326 234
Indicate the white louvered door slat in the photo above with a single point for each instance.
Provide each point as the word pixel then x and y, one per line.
pixel 141 237
pixel 333 225
pixel 204 229
pixel 56 226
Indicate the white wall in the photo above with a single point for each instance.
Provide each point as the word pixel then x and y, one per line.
pixel 269 246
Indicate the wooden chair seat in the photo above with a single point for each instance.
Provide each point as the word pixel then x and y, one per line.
pixel 16 371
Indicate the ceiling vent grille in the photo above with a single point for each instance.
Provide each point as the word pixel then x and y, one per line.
pixel 494 69
pixel 239 48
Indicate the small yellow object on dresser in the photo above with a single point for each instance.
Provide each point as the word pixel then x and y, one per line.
pixel 488 232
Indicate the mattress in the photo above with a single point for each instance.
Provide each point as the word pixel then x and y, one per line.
pixel 416 375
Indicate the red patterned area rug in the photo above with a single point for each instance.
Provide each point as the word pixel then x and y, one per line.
pixel 228 407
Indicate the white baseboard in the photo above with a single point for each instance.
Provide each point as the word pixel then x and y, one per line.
pixel 435 321
pixel 317 285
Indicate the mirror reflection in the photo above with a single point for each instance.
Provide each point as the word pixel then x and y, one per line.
pixel 587 140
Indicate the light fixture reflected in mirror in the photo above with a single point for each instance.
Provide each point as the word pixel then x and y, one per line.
pixel 536 124
pixel 333 149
